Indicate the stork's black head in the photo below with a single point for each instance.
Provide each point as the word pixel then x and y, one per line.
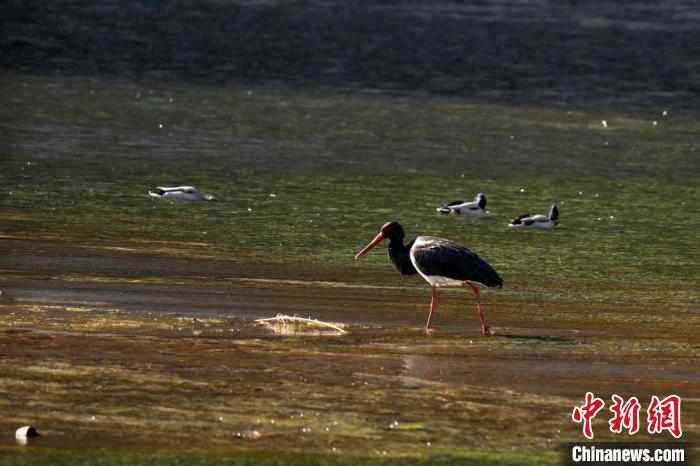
pixel 393 231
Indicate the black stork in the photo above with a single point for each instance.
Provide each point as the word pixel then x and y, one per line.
pixel 439 261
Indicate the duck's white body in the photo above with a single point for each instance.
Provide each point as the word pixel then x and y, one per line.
pixel 475 208
pixel 189 193
pixel 538 220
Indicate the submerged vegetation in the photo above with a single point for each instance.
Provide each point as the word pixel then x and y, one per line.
pixel 129 322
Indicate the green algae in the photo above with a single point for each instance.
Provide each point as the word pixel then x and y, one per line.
pixel 632 198
pixel 88 457
pixel 128 320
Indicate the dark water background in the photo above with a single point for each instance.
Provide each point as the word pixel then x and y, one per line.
pixel 631 52
pixel 127 331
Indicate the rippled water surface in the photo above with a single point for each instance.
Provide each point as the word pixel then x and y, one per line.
pixel 127 323
pixel 128 320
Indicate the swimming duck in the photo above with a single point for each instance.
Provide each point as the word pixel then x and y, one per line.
pixel 537 221
pixel 189 193
pixel 475 208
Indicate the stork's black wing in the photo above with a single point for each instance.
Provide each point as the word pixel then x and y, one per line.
pixel 438 256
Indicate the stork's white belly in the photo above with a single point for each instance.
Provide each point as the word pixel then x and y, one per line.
pixel 434 280
pixel 438 280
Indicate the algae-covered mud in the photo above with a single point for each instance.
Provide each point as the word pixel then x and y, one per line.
pixel 128 322
pixel 130 326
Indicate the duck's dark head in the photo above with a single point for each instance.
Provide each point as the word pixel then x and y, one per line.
pixel 391 230
pixel 554 214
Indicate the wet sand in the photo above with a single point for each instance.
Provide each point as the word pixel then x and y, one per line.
pixel 101 354
pixel 127 326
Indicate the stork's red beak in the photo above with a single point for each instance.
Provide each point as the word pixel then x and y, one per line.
pixel 377 239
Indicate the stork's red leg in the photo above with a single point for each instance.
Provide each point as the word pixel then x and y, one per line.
pixel 433 305
pixel 485 328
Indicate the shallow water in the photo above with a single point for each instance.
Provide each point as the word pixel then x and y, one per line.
pixel 316 174
pixel 128 322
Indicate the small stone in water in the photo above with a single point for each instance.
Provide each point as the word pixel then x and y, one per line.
pixel 26 431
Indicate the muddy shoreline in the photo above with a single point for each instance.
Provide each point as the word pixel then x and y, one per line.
pixel 105 349
pixel 129 323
